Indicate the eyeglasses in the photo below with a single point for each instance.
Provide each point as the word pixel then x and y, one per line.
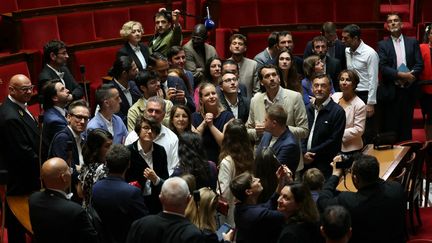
pixel 80 117
pixel 229 80
pixel 24 88
pixel 146 129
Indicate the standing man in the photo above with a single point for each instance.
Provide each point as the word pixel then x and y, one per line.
pixel 364 60
pixel 198 52
pixel 247 67
pixel 56 98
pixel 268 55
pixel 231 98
pixel 55 58
pixel 108 99
pixel 326 125
pixel 177 59
pixel 19 147
pixel 168 31
pixel 400 63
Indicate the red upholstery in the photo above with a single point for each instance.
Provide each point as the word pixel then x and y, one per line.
pixel 277 11
pixel 356 10
pixel 6 72
pixel 222 37
pixel 35 32
pixel 68 2
pixel 315 11
pixel 301 39
pixel 7 6
pixel 256 43
pixel 29 4
pixel 234 14
pixel 108 22
pixel 192 7
pixel 370 37
pixel 145 15
pixel 76 27
pixel 425 12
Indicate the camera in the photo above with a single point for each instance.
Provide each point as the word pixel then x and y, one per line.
pixel 346 162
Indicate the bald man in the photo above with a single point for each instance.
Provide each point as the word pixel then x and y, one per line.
pixel 53 216
pixel 19 147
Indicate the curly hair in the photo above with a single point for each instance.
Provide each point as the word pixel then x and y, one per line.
pixel 234 145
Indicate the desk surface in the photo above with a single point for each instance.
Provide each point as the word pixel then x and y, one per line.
pixel 20 208
pixel 388 160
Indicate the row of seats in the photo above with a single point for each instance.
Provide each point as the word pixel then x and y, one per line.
pixel 7 6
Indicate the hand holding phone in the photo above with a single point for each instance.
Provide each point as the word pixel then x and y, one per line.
pixel 225 228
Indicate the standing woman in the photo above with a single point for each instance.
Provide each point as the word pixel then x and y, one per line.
pixel 312 65
pixel 132 32
pixel 149 166
pixel 426 75
pixel 94 151
pixel 180 120
pixel 210 120
pixel 355 111
pixel 236 157
pixel 287 71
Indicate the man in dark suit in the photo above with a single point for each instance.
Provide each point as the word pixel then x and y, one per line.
pixel 132 32
pixel 54 218
pixel 177 59
pixel 117 203
pixel 326 124
pixel 332 65
pixel 230 97
pixel 124 71
pixel 336 49
pixel 56 98
pixel 170 225
pixel 400 64
pixel 19 147
pixel 378 207
pixel 55 59
pixel 277 136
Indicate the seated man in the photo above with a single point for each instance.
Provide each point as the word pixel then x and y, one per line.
pixel 336 225
pixel 117 203
pixel 277 136
pixel 108 99
pixel 378 207
pixel 53 216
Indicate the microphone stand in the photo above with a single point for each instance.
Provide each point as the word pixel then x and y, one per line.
pixel 84 81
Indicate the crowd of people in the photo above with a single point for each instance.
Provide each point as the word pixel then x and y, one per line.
pixel 178 130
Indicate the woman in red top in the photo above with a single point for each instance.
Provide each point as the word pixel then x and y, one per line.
pixel 426 75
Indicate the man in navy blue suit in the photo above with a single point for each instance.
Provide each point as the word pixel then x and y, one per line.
pixel 117 203
pixel 56 98
pixel 400 64
pixel 278 136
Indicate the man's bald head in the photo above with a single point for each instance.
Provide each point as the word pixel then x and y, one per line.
pixel 20 88
pixel 55 174
pixel 199 36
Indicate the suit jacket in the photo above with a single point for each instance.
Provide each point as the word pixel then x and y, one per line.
pixel 178 83
pixel 196 63
pixel 53 122
pixel 19 148
pixel 118 205
pixel 286 148
pixel 137 167
pixel 164 228
pixel 243 105
pixel 162 43
pixel 124 105
pixel 59 144
pixel 293 104
pixel 388 64
pixel 126 50
pixel 333 68
pixel 377 211
pixel 248 75
pixel 339 52
pixel 327 135
pixel 55 218
pixel 264 58
pixel 120 130
pixel 70 83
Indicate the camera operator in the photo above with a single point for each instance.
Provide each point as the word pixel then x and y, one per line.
pixel 377 208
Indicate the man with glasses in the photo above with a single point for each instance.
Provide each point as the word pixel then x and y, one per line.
pixel 55 58
pixel 19 148
pixel 198 53
pixel 230 97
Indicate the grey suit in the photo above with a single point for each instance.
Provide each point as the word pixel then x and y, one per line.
pixel 196 63
pixel 248 75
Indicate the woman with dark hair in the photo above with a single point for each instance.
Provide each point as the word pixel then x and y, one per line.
pixel 287 70
pixel 213 70
pixel 355 111
pixel 94 150
pixel 149 166
pixel 312 66
pixel 301 215
pixel 266 165
pixel 192 160
pixel 236 157
pixel 211 120
pixel 180 120
pixel 426 74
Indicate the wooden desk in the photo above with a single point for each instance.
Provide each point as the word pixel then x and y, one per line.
pixel 388 160
pixel 20 208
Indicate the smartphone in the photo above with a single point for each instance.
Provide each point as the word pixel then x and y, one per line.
pixel 223 229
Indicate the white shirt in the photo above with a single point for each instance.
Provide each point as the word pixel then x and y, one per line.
pixel 59 74
pixel 78 144
pixel 364 60
pixel 268 102
pixel 148 157
pixel 317 110
pixel 233 107
pixel 108 123
pixel 139 54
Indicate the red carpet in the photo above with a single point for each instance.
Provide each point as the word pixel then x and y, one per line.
pixel 425 231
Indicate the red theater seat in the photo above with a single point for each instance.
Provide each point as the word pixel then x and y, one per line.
pixel 145 15
pixel 221 42
pixel 7 6
pixel 276 12
pixel 9 70
pixel 108 22
pixel 29 4
pixel 256 43
pixel 315 11
pixel 68 2
pixel 35 32
pixel 300 39
pixel 76 27
pixel 234 14
pixel 356 11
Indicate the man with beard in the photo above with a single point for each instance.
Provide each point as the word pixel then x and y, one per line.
pixel 332 66
pixel 168 31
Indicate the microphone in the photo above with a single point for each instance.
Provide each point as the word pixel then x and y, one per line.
pixel 209 23
pixel 83 79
